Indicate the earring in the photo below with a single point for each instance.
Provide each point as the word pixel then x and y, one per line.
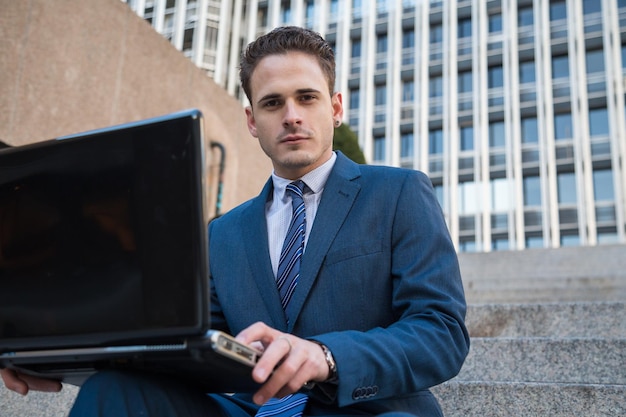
pixel 337 123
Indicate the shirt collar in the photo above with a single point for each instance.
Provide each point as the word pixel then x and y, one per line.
pixel 315 180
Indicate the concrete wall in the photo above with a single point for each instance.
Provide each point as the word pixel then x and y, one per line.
pixel 69 66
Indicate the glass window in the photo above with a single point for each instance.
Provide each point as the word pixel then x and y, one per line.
pixel 560 66
pixel 570 240
pixel 607 238
pixel 408 91
pixel 603 185
pixel 527 72
pixel 496 134
pixel 439 194
pixel 465 82
pixel 435 142
pixel 525 16
pixel 285 13
pixel 566 188
pixel 379 148
pixel 356 48
pixel 534 242
pixel 406 145
pixel 408 39
pixel 530 131
pixel 624 56
pixel 495 77
pixel 436 34
pixel 381 44
pixel 500 199
pixel 595 61
pixel 309 13
pixel 467 246
pixel 592 6
pixel 334 7
pixel 532 191
pixel 381 6
pixel 468 198
pixel 558 10
pixel 465 28
pixel 435 88
pixel 467 138
pixel 598 122
pixel 500 244
pixel 563 126
pixel 355 98
pixel 495 23
pixel 380 95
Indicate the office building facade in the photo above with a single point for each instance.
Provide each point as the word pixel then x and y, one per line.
pixel 514 108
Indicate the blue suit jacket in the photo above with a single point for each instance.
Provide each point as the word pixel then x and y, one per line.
pixel 379 285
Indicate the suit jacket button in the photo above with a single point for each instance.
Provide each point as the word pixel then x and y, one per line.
pixel 357 394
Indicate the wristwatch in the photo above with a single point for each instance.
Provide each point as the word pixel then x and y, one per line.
pixel 330 361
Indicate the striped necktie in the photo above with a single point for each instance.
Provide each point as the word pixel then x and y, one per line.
pixel 291 254
pixel 286 280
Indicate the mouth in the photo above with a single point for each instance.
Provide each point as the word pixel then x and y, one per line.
pixel 292 139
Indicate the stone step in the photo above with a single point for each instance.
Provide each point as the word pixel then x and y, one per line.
pixel 546 360
pixel 582 319
pixel 589 273
pixel 37 404
pixel 480 399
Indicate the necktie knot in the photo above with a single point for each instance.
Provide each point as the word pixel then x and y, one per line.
pixel 296 190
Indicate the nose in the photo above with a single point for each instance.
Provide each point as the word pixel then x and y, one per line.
pixel 292 115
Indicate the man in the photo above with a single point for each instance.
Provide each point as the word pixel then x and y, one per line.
pixel 373 313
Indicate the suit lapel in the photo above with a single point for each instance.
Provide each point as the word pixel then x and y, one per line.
pixel 339 195
pixel 254 233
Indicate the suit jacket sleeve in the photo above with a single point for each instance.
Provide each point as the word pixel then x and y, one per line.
pixel 418 339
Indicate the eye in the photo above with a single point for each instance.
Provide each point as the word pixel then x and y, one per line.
pixel 307 97
pixel 271 103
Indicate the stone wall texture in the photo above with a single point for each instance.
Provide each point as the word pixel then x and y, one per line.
pixel 69 66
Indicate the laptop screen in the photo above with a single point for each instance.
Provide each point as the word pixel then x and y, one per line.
pixel 103 235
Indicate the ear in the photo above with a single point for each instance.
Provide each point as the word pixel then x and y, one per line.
pixel 337 104
pixel 250 121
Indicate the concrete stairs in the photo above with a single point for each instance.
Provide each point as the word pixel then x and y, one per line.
pixel 548 334
pixel 558 359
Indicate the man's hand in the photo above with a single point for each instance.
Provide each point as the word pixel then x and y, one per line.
pixel 287 363
pixel 22 383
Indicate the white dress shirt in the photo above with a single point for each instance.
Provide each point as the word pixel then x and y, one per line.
pixel 278 210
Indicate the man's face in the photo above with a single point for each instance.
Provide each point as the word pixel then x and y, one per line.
pixel 292 113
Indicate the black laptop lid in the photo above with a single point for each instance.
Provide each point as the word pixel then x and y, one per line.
pixel 103 236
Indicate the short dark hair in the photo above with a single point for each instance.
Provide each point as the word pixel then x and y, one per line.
pixel 282 40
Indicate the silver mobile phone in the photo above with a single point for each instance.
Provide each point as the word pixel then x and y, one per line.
pixel 228 346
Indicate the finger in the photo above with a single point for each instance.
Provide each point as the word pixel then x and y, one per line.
pixel 286 377
pixel 41 384
pixel 272 357
pixel 13 382
pixel 257 332
pixel 22 383
pixel 281 383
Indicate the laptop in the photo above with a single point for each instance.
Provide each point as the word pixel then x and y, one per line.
pixel 103 257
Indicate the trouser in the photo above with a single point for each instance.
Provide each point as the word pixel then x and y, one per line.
pixel 128 394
